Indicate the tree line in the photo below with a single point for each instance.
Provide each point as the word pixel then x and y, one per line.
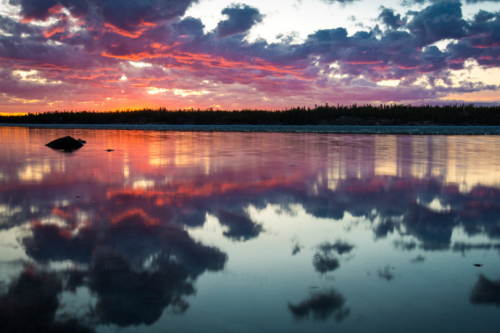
pixel 394 114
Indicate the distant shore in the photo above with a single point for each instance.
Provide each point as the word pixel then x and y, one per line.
pixel 323 115
pixel 346 129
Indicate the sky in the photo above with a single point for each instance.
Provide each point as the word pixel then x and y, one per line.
pixel 256 54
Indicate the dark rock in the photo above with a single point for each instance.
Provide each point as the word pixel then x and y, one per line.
pixel 67 143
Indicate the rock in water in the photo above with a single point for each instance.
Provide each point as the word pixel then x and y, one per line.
pixel 67 143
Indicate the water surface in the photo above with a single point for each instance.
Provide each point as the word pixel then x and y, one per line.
pixel 248 232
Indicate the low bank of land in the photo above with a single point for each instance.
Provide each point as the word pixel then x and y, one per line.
pixel 353 115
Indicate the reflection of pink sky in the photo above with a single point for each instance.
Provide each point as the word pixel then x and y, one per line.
pixel 200 163
pixel 160 178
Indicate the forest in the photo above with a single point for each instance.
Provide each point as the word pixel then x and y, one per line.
pixel 395 114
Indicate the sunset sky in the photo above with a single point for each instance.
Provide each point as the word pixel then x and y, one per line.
pixel 128 54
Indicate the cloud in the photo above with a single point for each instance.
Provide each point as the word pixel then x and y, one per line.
pixel 241 18
pixel 390 19
pixel 442 20
pixel 321 306
pixel 342 2
pixel 189 26
pixel 86 47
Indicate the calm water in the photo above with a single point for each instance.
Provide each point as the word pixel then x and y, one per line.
pixel 249 232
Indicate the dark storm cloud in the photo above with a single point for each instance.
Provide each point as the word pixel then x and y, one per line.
pixel 486 292
pixel 241 18
pixel 321 306
pixel 390 19
pixel 190 26
pixel 123 14
pixel 442 20
pixel 483 16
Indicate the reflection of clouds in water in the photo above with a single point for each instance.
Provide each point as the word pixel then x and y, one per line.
pixel 465 247
pixel 418 259
pixel 136 269
pixel 385 273
pixel 31 302
pixel 128 297
pixel 384 228
pixel 51 243
pixel 461 247
pixel 339 247
pixel 324 264
pixel 405 245
pixel 321 306
pixel 241 227
pixel 392 199
pixel 325 259
pixel 296 249
pixel 149 247
pixel 486 292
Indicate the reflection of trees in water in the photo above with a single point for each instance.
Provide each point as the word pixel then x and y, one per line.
pixel 321 306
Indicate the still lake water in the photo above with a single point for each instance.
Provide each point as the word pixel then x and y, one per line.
pixel 249 232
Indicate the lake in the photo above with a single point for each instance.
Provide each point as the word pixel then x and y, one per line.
pixel 248 232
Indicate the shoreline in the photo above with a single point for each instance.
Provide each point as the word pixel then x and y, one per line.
pixel 334 129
